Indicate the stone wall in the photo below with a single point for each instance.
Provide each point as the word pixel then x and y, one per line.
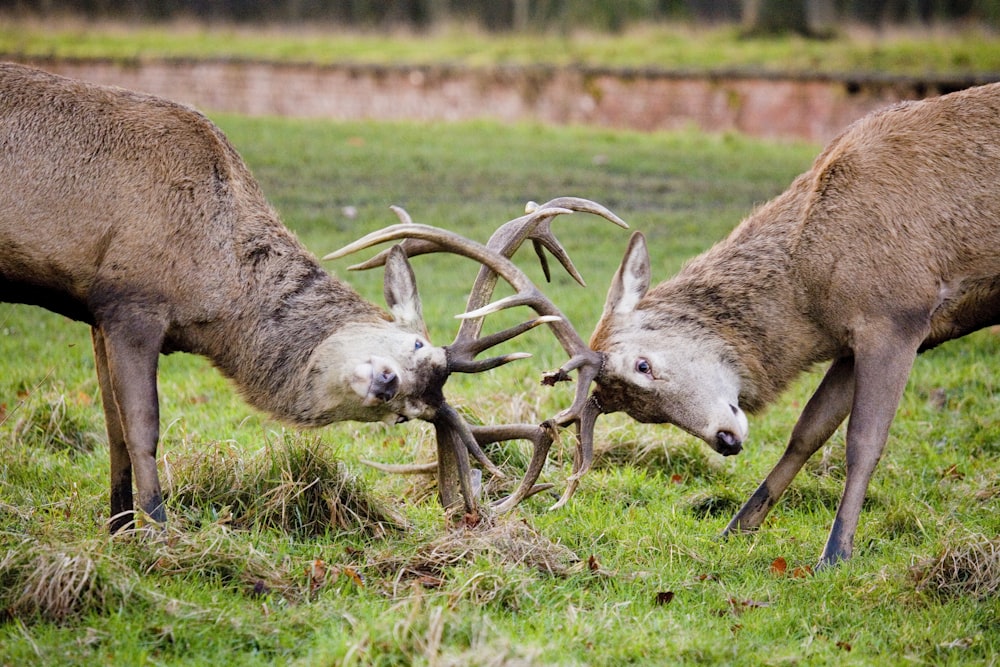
pixel 811 108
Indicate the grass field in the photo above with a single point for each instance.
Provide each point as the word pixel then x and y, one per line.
pixel 253 570
pixel 897 51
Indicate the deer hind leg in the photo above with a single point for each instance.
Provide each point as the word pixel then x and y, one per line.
pixel 824 412
pixel 881 373
pixel 127 356
pixel 121 465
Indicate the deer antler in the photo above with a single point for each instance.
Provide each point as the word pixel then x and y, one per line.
pixel 534 225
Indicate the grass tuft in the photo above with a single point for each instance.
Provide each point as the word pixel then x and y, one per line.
pixel 970 568
pixel 505 542
pixel 51 420
pixel 296 486
pixel 56 583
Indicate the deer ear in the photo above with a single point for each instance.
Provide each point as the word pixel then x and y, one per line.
pixel 400 290
pixel 631 280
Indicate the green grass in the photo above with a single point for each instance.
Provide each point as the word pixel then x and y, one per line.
pixel 940 51
pixel 630 572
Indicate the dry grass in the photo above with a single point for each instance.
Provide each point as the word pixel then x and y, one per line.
pixel 295 486
pixel 970 568
pixel 504 542
pixel 57 582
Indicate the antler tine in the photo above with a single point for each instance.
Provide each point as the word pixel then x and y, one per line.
pixel 540 235
pixel 583 457
pixel 543 238
pixel 457 244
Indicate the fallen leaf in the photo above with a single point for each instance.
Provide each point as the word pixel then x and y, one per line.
pixel 677 478
pixel 353 575
pixel 778 566
pixel 802 572
pixel 952 472
pixel 664 597
pixel 593 564
pixel 844 645
pixel 317 574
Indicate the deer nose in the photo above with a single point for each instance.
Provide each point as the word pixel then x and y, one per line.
pixel 727 443
pixel 384 385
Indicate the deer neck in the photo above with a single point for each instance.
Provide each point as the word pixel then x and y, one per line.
pixel 285 308
pixel 745 292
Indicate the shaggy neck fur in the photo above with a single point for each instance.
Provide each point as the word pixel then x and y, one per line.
pixel 286 305
pixel 742 293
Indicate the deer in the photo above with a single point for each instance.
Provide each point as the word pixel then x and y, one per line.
pixel 135 215
pixel 885 248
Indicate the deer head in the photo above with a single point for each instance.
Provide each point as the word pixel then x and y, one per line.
pixel 678 374
pixel 455 437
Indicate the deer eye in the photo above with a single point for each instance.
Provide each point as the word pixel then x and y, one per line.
pixel 644 367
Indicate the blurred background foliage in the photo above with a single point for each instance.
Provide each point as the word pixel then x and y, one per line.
pixel 815 18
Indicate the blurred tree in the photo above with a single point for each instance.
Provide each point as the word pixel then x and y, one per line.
pixel 806 17
pixel 812 18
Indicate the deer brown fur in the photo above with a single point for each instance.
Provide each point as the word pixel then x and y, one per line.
pixel 889 245
pixel 135 215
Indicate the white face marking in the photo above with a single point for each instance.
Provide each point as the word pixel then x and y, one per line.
pixel 666 377
pixel 377 373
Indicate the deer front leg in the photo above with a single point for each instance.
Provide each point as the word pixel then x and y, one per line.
pixel 881 373
pixel 828 407
pixel 129 357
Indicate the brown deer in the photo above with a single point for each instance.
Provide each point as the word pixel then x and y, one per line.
pixel 135 215
pixel 888 246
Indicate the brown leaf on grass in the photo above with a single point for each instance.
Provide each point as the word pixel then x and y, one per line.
pixel 778 566
pixel 593 564
pixel 354 576
pixel 802 572
pixel 316 572
pixel 260 589
pixel 846 646
pixel 952 473
pixel 677 478
pixel 664 598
